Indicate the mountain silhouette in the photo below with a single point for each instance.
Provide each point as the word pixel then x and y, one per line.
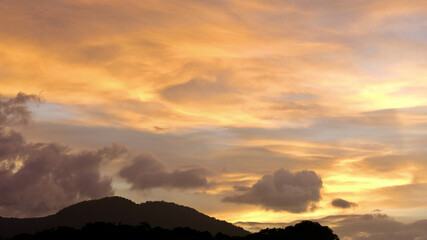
pixel 121 210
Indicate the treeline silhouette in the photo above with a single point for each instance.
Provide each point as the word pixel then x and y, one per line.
pixel 305 230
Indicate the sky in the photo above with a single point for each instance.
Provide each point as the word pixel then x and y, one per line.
pixel 257 112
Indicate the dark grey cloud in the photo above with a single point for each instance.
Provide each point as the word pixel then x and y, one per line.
pixel 113 151
pixel 38 178
pixel 341 203
pixel 146 171
pixel 48 177
pixel 283 191
pixel 14 111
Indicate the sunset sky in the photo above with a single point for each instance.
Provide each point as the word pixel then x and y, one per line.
pixel 248 111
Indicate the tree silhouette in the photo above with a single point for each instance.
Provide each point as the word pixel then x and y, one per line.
pixel 305 230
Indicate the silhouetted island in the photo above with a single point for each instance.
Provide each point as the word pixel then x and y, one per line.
pixel 119 218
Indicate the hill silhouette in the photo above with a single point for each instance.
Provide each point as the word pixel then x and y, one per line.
pixel 120 210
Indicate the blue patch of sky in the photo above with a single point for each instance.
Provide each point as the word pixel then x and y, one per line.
pixel 53 112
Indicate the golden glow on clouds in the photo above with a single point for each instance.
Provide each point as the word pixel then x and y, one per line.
pixel 313 79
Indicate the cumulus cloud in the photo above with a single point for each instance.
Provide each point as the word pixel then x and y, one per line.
pixel 146 171
pixel 46 177
pixel 38 178
pixel 341 203
pixel 283 191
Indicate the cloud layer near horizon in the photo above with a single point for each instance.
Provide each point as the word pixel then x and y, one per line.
pixel 375 226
